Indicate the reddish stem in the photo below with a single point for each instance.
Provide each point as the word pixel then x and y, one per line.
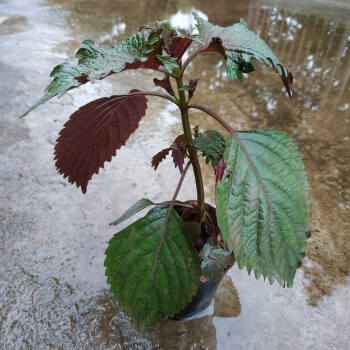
pixel 239 141
pixel 171 206
pixel 152 93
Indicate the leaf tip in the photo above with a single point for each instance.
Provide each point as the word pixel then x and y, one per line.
pixel 23 114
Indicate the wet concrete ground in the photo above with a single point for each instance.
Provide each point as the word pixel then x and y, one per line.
pixel 53 293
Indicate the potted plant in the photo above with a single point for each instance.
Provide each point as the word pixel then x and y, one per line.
pixel 168 263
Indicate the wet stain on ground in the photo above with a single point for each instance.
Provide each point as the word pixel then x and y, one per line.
pixel 13 24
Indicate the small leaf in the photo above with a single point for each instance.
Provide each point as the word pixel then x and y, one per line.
pixel 169 63
pixel 215 260
pixel 129 261
pixel 212 144
pixel 192 87
pixel 175 44
pixel 153 40
pixel 184 88
pixel 159 157
pixel 97 63
pixel 179 152
pixel 178 159
pixel 94 132
pixel 135 208
pixel 234 70
pixel 262 203
pixel 239 45
pixel 165 84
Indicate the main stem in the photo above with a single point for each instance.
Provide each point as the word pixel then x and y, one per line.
pixel 191 150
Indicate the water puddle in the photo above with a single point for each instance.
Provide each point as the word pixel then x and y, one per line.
pixel 52 238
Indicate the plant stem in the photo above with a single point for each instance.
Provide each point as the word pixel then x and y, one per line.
pixel 166 219
pixel 151 93
pixel 195 54
pixel 191 150
pixel 213 115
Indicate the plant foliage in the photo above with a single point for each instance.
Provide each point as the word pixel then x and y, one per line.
pixel 97 63
pixel 262 203
pixel 134 209
pixel 94 132
pixel 154 266
pixel 214 261
pixel 178 153
pixel 129 260
pixel 239 45
pixel 212 144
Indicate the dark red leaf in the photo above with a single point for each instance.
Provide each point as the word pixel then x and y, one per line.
pixel 159 157
pixel 151 63
pixel 165 84
pixel 215 45
pixel 180 142
pixel 178 46
pixel 179 153
pixel 94 132
pixel 192 84
pixel 178 159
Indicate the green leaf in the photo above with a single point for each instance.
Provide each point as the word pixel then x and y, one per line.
pixel 135 208
pixel 169 63
pixel 214 261
pixel 240 45
pixel 212 144
pixel 130 258
pixel 96 63
pixel 262 203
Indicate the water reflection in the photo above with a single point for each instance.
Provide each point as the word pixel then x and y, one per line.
pixel 200 332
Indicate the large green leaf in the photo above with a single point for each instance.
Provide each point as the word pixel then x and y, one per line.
pixel 262 203
pixel 97 63
pixel 212 144
pixel 130 259
pixel 240 45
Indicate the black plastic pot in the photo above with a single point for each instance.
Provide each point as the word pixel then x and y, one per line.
pixel 200 301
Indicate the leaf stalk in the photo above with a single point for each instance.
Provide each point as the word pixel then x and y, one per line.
pixel 166 219
pixel 192 152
